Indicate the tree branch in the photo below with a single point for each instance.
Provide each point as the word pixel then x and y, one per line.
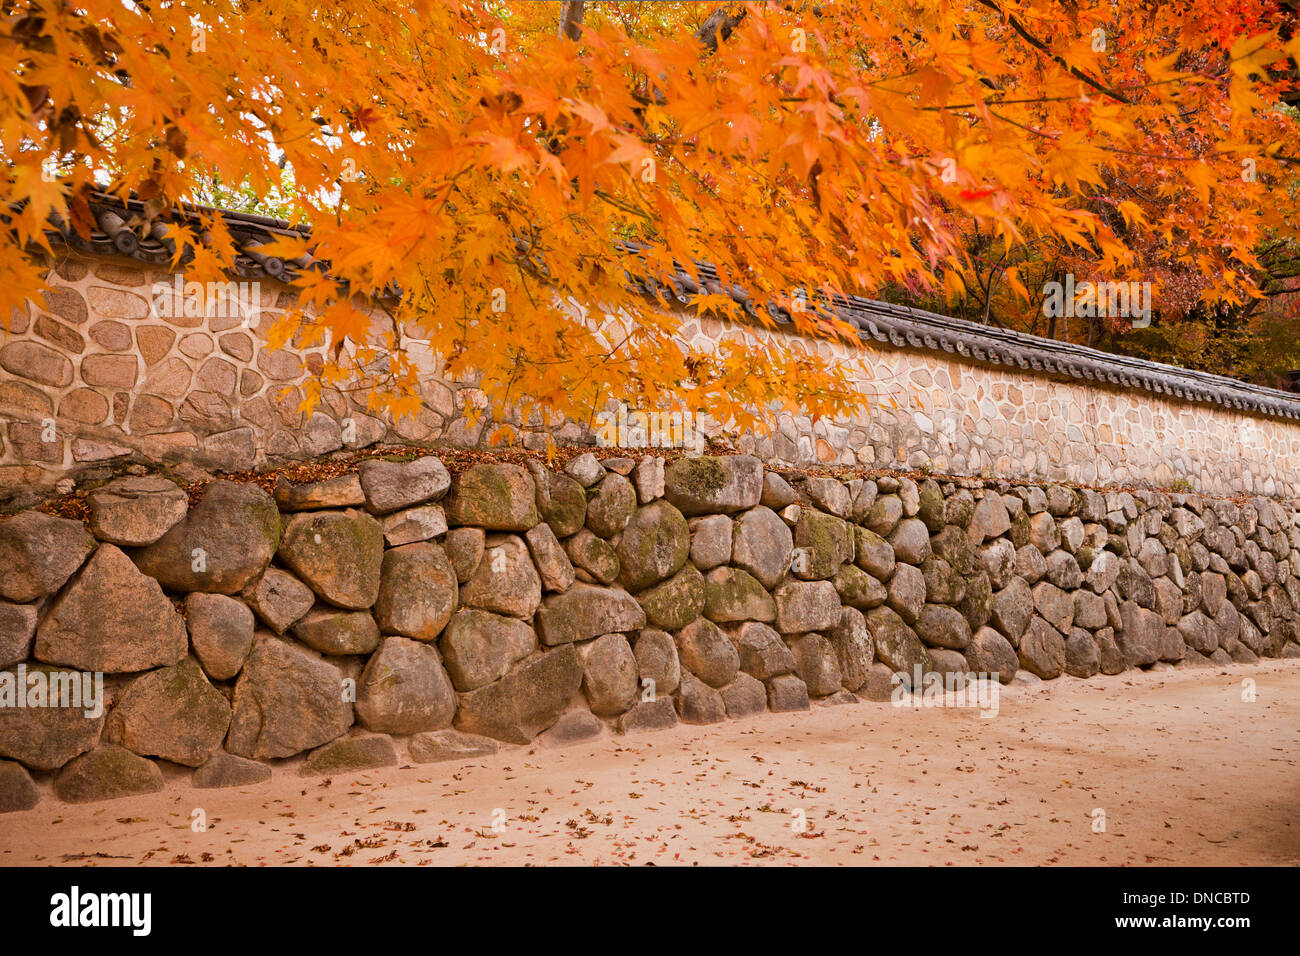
pixel 1043 47
pixel 719 26
pixel 571 19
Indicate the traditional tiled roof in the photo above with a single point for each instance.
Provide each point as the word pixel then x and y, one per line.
pixel 126 229
pixel 904 327
pixel 121 227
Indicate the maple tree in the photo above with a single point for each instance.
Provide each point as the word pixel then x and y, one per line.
pixel 497 172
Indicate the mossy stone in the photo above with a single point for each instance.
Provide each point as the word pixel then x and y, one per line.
pixel 931 507
pixel 676 602
pixel 349 754
pixel 106 773
pixel 977 605
pixel 1019 532
pixel 826 543
pixel 731 594
pixel 858 589
pixel 654 546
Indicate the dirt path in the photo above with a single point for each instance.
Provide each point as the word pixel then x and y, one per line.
pixel 1185 770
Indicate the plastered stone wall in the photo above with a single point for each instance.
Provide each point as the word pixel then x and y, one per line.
pixel 964 418
pixel 393 608
pixel 120 383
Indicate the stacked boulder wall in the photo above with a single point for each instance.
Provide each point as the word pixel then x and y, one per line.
pixel 403 606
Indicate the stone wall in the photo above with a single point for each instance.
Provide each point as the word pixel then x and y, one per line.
pixel 103 379
pixel 967 418
pixel 393 607
pixel 120 381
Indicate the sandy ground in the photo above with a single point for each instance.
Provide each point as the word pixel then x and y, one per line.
pixel 1184 769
